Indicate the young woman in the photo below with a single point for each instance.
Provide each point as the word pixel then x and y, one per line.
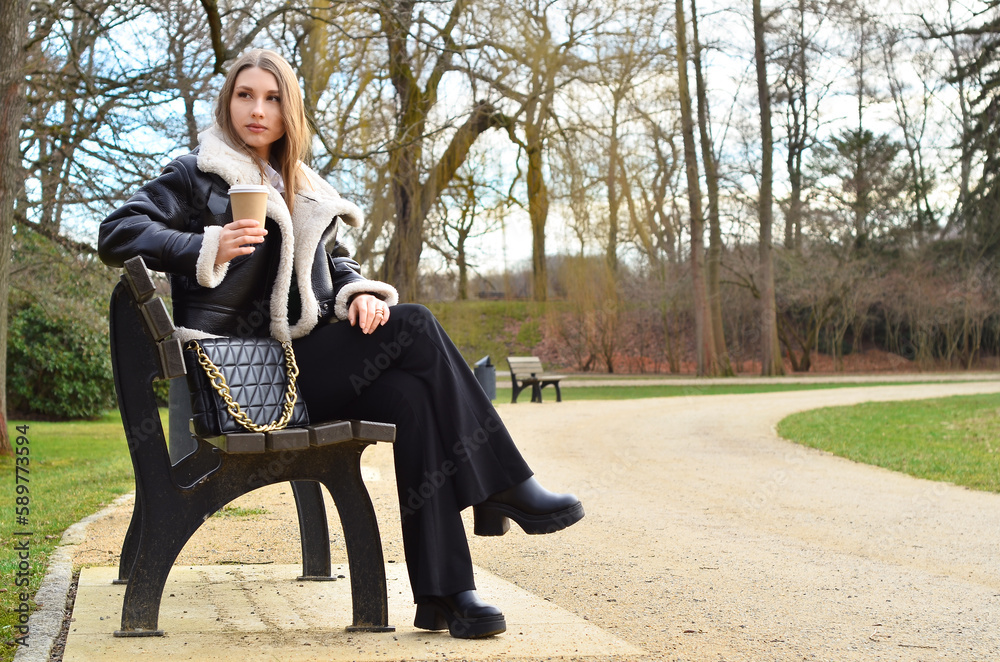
pixel 390 362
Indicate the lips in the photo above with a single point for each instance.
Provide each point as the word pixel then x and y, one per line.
pixel 256 128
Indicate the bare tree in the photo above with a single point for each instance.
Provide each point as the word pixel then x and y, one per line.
pixel 652 193
pixel 416 90
pixel 801 94
pixel 87 101
pixel 705 348
pixel 190 68
pixel 962 49
pixel 349 103
pixel 622 67
pixel 575 183
pixel 533 48
pixel 471 206
pixel 912 119
pixel 709 162
pixel 14 18
pixel 770 351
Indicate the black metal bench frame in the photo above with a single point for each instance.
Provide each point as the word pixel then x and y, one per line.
pixel 173 500
pixel 535 380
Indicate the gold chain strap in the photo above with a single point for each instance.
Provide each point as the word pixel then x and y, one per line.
pixel 222 388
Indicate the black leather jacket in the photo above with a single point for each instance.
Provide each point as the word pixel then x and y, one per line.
pixel 165 221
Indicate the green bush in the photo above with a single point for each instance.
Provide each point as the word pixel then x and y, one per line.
pixel 58 366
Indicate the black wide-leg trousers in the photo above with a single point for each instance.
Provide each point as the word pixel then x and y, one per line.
pixel 451 450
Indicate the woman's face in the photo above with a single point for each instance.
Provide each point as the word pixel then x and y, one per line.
pixel 256 110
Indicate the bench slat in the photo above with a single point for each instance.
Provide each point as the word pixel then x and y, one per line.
pixel 171 358
pixel 372 431
pixel 241 442
pixel 158 321
pixel 522 364
pixel 138 279
pixel 331 433
pixel 285 440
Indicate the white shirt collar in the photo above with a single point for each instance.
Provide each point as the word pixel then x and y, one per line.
pixel 275 178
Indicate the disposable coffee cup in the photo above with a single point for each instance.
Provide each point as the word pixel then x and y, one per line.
pixel 249 201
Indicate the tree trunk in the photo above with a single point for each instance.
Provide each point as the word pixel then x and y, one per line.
pixel 402 258
pixel 614 201
pixel 770 350
pixel 538 198
pixel 714 258
pixel 463 267
pixel 965 162
pixel 707 363
pixel 403 254
pixel 411 198
pixel 538 211
pixel 797 139
pixel 14 18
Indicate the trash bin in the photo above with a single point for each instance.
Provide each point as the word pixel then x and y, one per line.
pixel 486 373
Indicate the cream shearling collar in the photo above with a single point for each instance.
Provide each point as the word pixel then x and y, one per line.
pixel 316 206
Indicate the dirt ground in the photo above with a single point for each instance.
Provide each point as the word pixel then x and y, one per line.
pixel 707 537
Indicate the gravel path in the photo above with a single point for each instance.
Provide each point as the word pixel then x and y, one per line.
pixel 709 538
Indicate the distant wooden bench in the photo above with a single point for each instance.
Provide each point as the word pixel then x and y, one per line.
pixel 527 371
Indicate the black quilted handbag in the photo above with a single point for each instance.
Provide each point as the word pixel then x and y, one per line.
pixel 236 383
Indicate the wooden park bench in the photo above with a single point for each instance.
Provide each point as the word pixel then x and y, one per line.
pixel 527 371
pixel 173 499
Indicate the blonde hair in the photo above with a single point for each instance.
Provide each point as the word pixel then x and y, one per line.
pixel 291 148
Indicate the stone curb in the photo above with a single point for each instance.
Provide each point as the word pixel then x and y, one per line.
pixel 45 623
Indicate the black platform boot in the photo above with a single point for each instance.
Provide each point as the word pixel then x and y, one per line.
pixel 464 615
pixel 534 508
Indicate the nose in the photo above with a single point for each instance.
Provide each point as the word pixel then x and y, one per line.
pixel 258 109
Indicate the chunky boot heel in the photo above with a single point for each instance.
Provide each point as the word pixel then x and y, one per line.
pixel 429 618
pixel 464 615
pixel 489 522
pixel 534 508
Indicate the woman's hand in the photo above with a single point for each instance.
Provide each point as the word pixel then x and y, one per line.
pixel 237 238
pixel 368 312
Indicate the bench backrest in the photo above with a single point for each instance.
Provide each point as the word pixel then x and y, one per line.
pixel 524 366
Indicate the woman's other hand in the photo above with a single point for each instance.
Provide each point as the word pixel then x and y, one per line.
pixel 238 238
pixel 367 312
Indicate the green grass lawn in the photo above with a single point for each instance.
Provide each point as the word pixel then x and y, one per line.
pixel 75 469
pixel 956 440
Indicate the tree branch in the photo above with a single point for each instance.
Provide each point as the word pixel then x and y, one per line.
pixel 484 116
pixel 215 30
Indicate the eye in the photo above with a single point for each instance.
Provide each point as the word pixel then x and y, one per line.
pixel 275 98
pixel 243 95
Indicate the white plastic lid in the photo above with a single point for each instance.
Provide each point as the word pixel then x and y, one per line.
pixel 248 188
